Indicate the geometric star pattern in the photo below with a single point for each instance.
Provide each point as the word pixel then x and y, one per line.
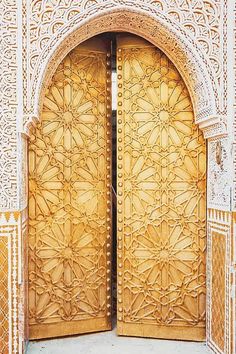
pixel 69 198
pixel 161 198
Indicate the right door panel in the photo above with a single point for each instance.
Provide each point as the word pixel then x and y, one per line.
pixel 161 199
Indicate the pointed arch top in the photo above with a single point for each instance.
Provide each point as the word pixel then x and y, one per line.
pixel 154 26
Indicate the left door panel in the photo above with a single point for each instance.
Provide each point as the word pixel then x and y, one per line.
pixel 69 198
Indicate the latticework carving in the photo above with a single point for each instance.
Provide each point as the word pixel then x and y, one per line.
pixel 161 198
pixel 69 204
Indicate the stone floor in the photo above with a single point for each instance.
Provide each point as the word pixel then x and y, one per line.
pixel 110 343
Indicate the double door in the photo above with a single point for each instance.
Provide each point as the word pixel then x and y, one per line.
pixel 160 198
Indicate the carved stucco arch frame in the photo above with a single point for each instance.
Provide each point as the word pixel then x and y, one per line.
pixel 160 30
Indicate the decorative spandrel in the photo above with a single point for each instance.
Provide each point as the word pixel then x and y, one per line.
pixel 69 201
pixel 161 199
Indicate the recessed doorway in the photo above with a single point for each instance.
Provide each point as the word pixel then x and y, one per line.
pixel 117 170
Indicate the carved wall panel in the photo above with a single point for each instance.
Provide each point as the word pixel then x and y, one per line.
pixel 161 199
pixel 10 226
pixel 4 265
pixel 219 174
pixel 219 330
pixel 69 199
pixel 8 99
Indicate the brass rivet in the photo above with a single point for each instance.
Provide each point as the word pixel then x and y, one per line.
pixel 119 229
pixel 108 314
pixel 119 103
pixel 119 166
pixel 120 112
pixel 119 77
pixel 120 309
pixel 119 202
pixel 120 318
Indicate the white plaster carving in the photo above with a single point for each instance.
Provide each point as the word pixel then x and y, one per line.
pixel 187 33
pixel 8 99
pixel 219 181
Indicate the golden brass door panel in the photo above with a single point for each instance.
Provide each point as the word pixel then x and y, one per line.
pixel 161 196
pixel 69 199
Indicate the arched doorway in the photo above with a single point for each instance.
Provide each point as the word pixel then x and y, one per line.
pixel 161 196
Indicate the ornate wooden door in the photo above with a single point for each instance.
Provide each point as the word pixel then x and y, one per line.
pixel 69 201
pixel 161 199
